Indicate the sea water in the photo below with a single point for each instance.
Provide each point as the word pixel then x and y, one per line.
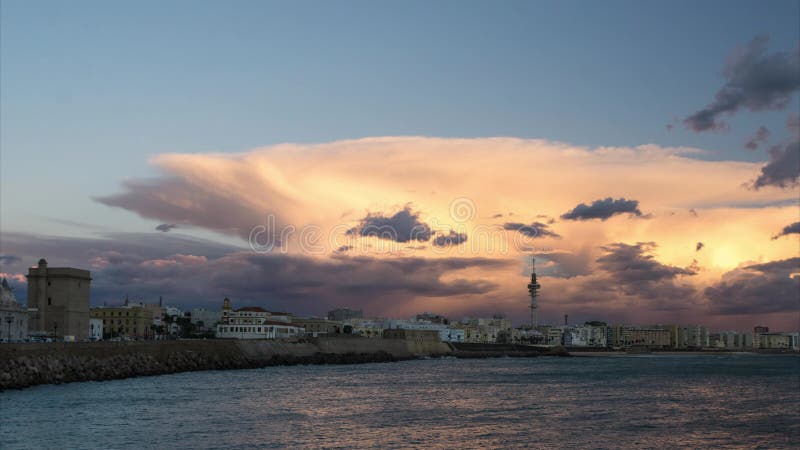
pixel 652 401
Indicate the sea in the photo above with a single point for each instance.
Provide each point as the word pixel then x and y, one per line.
pixel 625 401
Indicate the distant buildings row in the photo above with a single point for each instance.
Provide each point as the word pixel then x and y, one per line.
pixel 58 308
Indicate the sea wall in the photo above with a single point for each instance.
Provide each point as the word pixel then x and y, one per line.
pixel 23 365
pixel 477 350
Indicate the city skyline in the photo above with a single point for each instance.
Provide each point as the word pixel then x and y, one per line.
pixel 304 168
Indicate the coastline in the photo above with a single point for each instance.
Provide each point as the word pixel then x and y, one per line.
pixel 26 365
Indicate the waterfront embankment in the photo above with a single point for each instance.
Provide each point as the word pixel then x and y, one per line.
pixel 24 365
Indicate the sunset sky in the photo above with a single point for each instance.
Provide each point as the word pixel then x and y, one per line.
pixel 410 157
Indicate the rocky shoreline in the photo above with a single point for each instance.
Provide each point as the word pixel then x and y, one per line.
pixel 31 371
pixel 26 365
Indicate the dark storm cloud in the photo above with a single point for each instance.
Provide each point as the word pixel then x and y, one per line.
pixel 761 137
pixel 754 80
pixel 176 200
pixel 783 169
pixel 189 272
pixel 403 226
pixel 534 230
pixel 772 287
pixel 699 246
pixel 603 209
pixel 566 265
pixel 450 239
pixel 633 263
pixel 9 259
pixel 344 248
pixel 165 227
pixel 635 271
pixel 788 229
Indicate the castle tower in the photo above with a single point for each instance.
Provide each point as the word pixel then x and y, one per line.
pixel 59 300
pixel 533 289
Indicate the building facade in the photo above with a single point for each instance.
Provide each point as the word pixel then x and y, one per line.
pixel 13 316
pixel 345 314
pixel 204 319
pixel 322 327
pixel 95 329
pixel 58 301
pixel 253 322
pixel 128 321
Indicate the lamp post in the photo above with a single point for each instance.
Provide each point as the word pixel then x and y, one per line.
pixel 9 321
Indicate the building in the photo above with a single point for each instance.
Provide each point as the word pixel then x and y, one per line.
pixel 688 336
pixel 484 330
pixel 204 319
pixel 590 334
pixel 315 327
pixel 653 337
pixel 345 314
pixel 253 322
pixel 757 332
pixel 777 341
pixel 95 329
pixel 13 316
pixel 446 333
pixel 368 328
pixel 432 318
pixel 126 321
pixel 58 301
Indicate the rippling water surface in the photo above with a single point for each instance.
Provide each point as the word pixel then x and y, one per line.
pixel 593 402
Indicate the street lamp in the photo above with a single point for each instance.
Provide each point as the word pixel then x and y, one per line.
pixel 9 321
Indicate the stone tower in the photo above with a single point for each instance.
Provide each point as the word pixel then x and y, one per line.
pixel 533 289
pixel 59 300
pixel 226 310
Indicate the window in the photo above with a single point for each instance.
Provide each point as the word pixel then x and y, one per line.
pixel 49 301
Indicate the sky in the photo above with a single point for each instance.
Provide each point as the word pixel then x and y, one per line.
pixel 410 156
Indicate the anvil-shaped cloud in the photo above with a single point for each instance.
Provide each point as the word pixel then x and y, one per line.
pixel 310 198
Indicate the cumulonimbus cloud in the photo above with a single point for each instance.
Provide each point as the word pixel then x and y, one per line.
pixel 754 80
pixel 603 209
pixel 314 184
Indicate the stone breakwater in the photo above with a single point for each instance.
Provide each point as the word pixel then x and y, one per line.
pixel 25 365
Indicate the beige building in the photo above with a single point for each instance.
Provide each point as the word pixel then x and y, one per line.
pixel 322 327
pixel 650 337
pixel 125 321
pixel 58 301
pixel 777 341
